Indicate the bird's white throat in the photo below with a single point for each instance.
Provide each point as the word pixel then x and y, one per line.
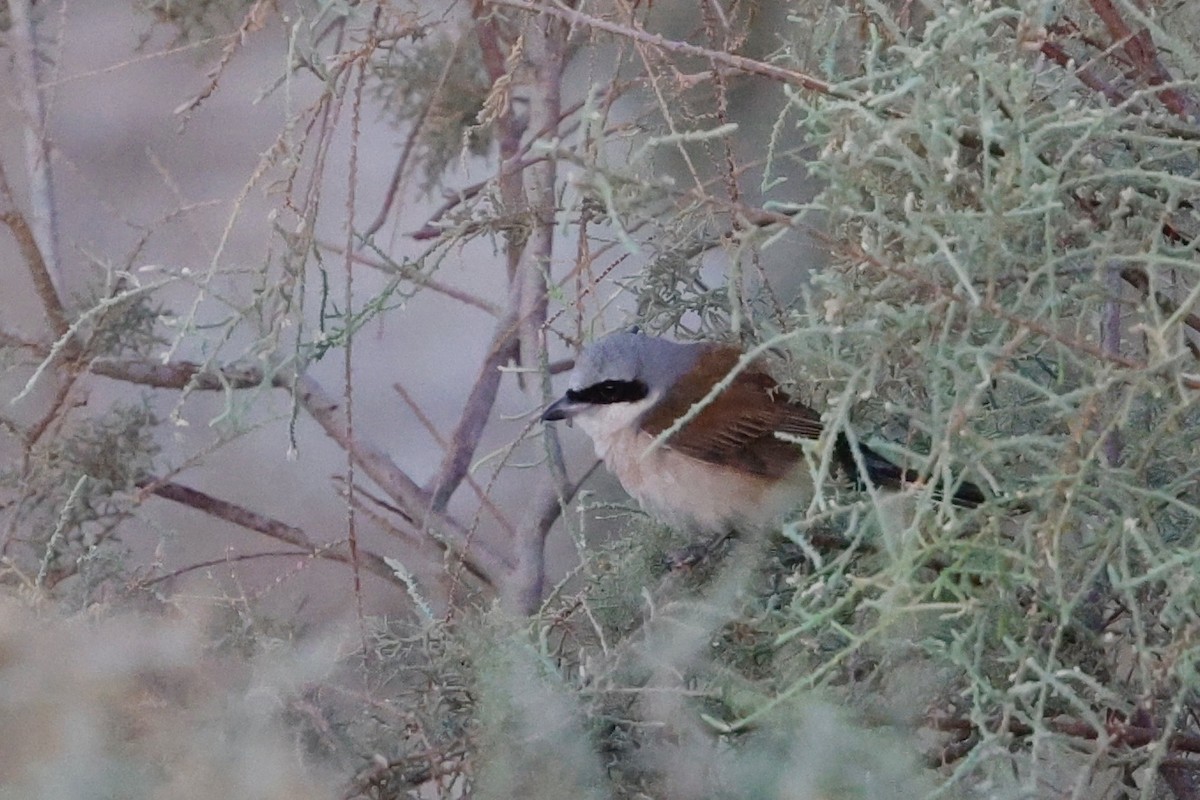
pixel 604 423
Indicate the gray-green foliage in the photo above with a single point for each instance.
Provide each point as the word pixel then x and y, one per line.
pixel 1012 268
pixel 991 220
pixel 77 483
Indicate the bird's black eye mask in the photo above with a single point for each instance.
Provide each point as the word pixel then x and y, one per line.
pixel 607 392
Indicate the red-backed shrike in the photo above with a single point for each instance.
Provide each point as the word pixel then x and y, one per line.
pixel 723 470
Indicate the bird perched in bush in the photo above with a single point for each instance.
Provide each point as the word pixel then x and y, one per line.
pixel 724 469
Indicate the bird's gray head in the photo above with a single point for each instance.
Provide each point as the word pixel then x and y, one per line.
pixel 623 367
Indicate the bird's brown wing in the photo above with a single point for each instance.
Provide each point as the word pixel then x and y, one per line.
pixel 737 429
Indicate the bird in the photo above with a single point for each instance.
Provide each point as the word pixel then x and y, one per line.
pixel 723 470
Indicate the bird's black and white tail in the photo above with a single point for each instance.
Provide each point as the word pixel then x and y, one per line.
pixel 883 473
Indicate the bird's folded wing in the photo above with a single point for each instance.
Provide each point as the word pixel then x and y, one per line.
pixel 737 428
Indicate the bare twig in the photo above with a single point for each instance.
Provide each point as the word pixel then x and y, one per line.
pixel 35 262
pixel 328 413
pixel 254 20
pixel 229 559
pixel 390 267
pixel 428 549
pixel 389 197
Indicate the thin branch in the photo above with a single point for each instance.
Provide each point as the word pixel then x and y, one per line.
pixel 254 20
pixel 231 559
pixel 432 430
pixel 327 412
pixel 31 252
pixel 429 549
pixel 546 513
pixel 740 63
pixel 476 412
pixel 389 197
pixel 268 526
pixel 390 267
pixel 348 304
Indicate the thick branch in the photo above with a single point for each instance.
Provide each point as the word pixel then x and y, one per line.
pixel 546 41
pixel 415 501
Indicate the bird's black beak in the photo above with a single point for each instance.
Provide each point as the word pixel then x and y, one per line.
pixel 562 408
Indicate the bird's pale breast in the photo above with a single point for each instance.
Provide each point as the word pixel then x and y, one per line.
pixel 701 497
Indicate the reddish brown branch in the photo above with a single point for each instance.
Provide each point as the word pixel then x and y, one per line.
pixel 1118 732
pixel 1086 74
pixel 39 272
pixel 1140 280
pixel 1140 49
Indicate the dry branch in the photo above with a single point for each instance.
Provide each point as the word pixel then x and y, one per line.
pixel 329 413
pixel 31 252
pixel 268 526
pixel 740 63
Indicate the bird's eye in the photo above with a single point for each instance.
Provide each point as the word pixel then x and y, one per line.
pixel 608 392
